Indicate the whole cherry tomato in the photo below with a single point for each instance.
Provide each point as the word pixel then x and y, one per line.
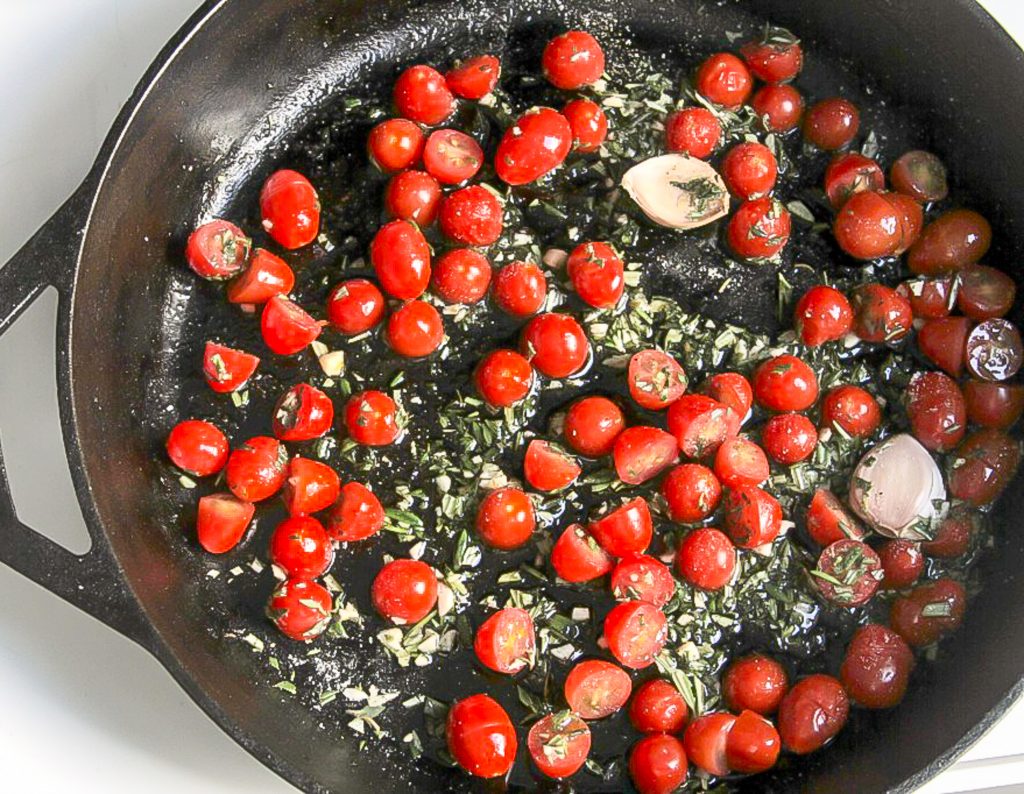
pixel 779 107
pixel 221 521
pixel 759 229
pixel 953 535
pixel 401 259
pixel 505 642
pixel 197 447
pixel 756 683
pixel 636 632
pixel 421 94
pixel 785 383
pixel 472 216
pixel 849 173
pixel 520 289
pixel 706 558
pixel 588 122
pixel 371 419
pixel 573 60
pixel 995 405
pixel 693 131
pixel 700 424
pixel 739 461
pixel 404 591
pixel 266 276
pixel 789 438
pixel 750 170
pixel 503 378
pixel 658 707
pixel 452 157
pixel 395 144
pixel 732 390
pixel 849 573
pixel 301 609
pixel 303 413
pixel 357 515
pixel 724 80
pixel 624 530
pixel 868 226
pixel 505 518
pixel 928 612
pixel 937 411
pixel 559 744
pixel 812 713
pixel 595 688
pixel 286 328
pixel 692 492
pixel 753 516
pixel 415 330
pixel 555 344
pixel 481 737
pixel 753 744
pixel 982 466
pixel 597 274
pixel 656 380
pixel 643 452
pixel 852 411
pixel 547 467
pixel 642 578
pixel 952 241
pixel 413 196
pixel 475 77
pixel 462 275
pixel 775 57
pixel 290 208
pixel 355 306
pixel 876 668
pixel 217 250
pixel 880 314
pixel 300 545
pixel 823 314
pixel 257 469
pixel 658 764
pixel 902 563
pixel 536 144
pixel 592 425
pixel 577 557
pixel 705 741
pixel 311 486
pixel 929 298
pixel 831 124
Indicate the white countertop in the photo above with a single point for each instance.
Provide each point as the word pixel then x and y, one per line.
pixel 83 708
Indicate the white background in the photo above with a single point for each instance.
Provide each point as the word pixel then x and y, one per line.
pixel 81 708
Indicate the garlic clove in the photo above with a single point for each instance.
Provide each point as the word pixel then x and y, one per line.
pixel 677 191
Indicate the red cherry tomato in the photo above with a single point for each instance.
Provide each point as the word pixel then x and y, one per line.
pixel 811 713
pixel 693 131
pixel 355 306
pixel 357 515
pixel 462 275
pixel 706 559
pixel 985 292
pixel 949 243
pixel 911 218
pixel 505 642
pixel 217 250
pixel 730 389
pixel 868 226
pixel 755 683
pixel 785 383
pixel 952 537
pixel 371 419
pixel 929 298
pixel 520 289
pixel 789 438
pixel 559 744
pixel 588 122
pixel 658 707
pixel 257 469
pixel 876 668
pixel 928 612
pixel 643 452
pixel 759 229
pixel 226 369
pixel 577 557
pixel 472 216
pixel 548 468
pixel 995 350
pixel 700 424
pixel 656 380
pixel 739 461
pixel 413 196
pixel 636 632
pixel 995 405
pixel 779 107
pixel 555 344
pixel 753 517
pixel 311 486
pixel 823 314
pixel 401 259
pixel 221 522
pixel 573 60
pixel 474 78
pixel 829 521
pixel 657 764
pixel 692 492
pixel 902 563
pixel 266 276
pixel 395 144
pixel 752 745
pixel 724 80
pixel 197 447
pixel 982 467
pixel 301 547
pixel 880 314
pixel 750 170
pixel 290 208
pixel 705 740
pixel 452 157
pixel 776 57
pixel 303 413
pixel 944 342
pixel 848 573
pixel 415 330
pixel 626 530
pixel 404 591
pixel 831 124
pixel 536 144
pixel 937 411
pixel 481 737
pixel 852 411
pixel 286 328
pixel 503 378
pixel 301 609
pixel 597 274
pixel 505 518
pixel 595 688
pixel 641 578
pixel 851 173
pixel 592 425
pixel 422 95
pixel 920 175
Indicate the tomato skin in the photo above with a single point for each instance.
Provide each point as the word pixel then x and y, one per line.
pixel 555 344
pixel 355 306
pixel 693 131
pixel 471 216
pixel 559 744
pixel 642 453
pixel 642 578
pixel 880 314
pixel 692 492
pixel 831 123
pixel 823 314
pixel 779 107
pixel 401 259
pixel 217 250
pixel 588 122
pixel 868 226
pixel 774 61
pixel 287 329
pixel 462 275
pixel 257 469
pixel 949 243
pixel 907 612
pixel 404 591
pixel 413 196
pixel 626 530
pixel 474 78
pixel 811 713
pixel 592 425
pixel 636 632
pixel 750 170
pixel 953 536
pixel 700 424
pixel 371 419
pixel 911 219
pixel 395 144
pixel 658 707
pixel 985 292
pixel 536 144
pixel 706 558
pixel 227 370
pixel 724 80
pixel 753 517
pixel 944 343
pixel 753 744
pixel 357 515
pixel 503 378
pixel 520 289
pixel 902 563
pixel 739 461
pixel 920 175
pixel 705 740
pixel 732 390
pixel 785 383
pixel 452 157
pixel 595 688
pixel 759 229
pixel 877 667
pixel 856 566
pixel 994 405
pixel 303 413
pixel 755 683
pixel 505 642
pixel 852 410
pixel 656 379
pixel 851 173
pixel 197 447
pixel 577 557
pixel 505 518
pixel 829 521
pixel 290 209
pixel 549 468
pixel 421 94
pixel 481 737
pixel 301 547
pixel 929 298
pixel 658 764
pixel 982 467
pixel 789 438
pixel 415 330
pixel 266 276
pixel 937 411
pixel 573 60
pixel 311 486
pixel 221 521
pixel 597 274
pixel 301 609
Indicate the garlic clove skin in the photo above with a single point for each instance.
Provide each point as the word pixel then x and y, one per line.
pixel 897 489
pixel 677 191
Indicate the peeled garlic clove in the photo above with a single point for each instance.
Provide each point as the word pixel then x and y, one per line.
pixel 897 489
pixel 677 191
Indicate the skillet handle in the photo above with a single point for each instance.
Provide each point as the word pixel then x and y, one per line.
pixel 92 581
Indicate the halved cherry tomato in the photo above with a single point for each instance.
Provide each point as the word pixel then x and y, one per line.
pixel 724 80
pixel 536 144
pixel 474 78
pixel 730 389
pixel 395 144
pixel 290 209
pixel 597 274
pixel 658 707
pixel 415 329
pixel 413 196
pixel 811 713
pixel 831 123
pixel 197 447
pixel 452 157
pixel 642 578
pixel 928 612
pixel 880 314
pixel 937 411
pixel 559 744
pixel 642 453
pixel 995 405
pixel 868 226
pixel 823 314
pixel 573 60
pixel 949 243
pixel 404 591
pixel 911 218
pixel 749 170
pixel 944 343
pixel 852 411
pixel 994 350
pixel 588 122
pixel 877 666
pixel 595 688
pixel 421 94
pixel 481 737
pixel 625 530
pixel 848 573
pixel 985 292
pixel 472 216
pixel 693 131
pixel 520 289
pixel 739 461
pixel 257 469
pixel 753 744
pixel 401 259
pixel 301 547
pixel 692 492
pixel 636 632
pixel 503 378
pixel 311 486
pixel 303 413
pixel 851 173
pixel 577 557
pixel 656 380
pixel 371 419
pixel 920 175
pixel 700 424
pixel 357 515
pixel 953 535
pixel 658 764
pixel 753 517
pixel 983 466
pixel 301 609
pixel 355 306
pixel 779 107
pixel 759 229
pixel 286 328
pixel 222 520
pixel 217 250
pixel 706 558
pixel 548 468
pixel 789 438
pixel 505 642
pixel 705 740
pixel 902 563
pixel 266 276
pixel 929 298
pixel 755 683
pixel 555 344
pixel 785 383
pixel 462 275
pixel 505 518
pixel 592 425
pixel 776 57
pixel 829 521
pixel 227 369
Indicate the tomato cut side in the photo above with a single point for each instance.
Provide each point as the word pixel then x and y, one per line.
pixel 636 632
pixel 595 689
pixel 656 380
pixel 548 468
pixel 226 369
pixel 559 744
pixel 505 642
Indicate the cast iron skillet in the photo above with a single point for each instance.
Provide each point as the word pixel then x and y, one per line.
pixel 206 123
